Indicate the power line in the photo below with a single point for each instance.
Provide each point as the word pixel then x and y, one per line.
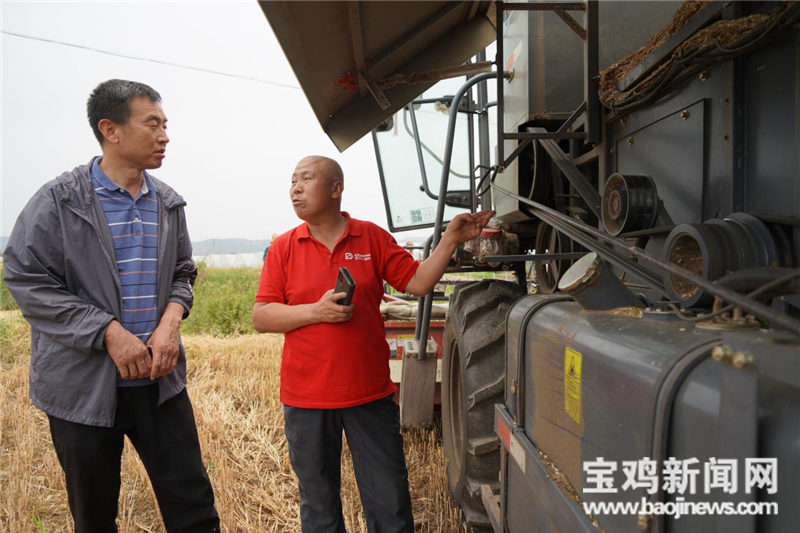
pixel 158 61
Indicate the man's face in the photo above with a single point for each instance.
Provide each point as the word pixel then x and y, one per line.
pixel 311 191
pixel 143 139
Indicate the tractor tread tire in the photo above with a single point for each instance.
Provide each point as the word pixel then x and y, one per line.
pixel 483 445
pixel 474 342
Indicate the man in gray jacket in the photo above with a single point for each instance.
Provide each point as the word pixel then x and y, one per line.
pixel 100 263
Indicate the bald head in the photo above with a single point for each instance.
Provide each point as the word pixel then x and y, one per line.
pixel 317 186
pixel 325 165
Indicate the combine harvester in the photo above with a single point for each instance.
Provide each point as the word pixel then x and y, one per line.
pixel 643 157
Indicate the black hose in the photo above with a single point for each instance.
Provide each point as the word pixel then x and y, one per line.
pixel 749 279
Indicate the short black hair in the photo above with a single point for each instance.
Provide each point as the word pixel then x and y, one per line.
pixel 111 100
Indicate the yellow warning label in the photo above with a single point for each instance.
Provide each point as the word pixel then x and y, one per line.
pixel 572 384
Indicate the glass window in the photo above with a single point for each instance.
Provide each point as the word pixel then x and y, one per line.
pixel 409 205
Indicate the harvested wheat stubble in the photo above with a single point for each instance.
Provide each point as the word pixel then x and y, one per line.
pixel 233 384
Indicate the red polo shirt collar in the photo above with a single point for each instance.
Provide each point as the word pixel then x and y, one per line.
pixel 353 228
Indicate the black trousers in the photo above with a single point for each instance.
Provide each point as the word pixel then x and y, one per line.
pixel 165 438
pixel 315 450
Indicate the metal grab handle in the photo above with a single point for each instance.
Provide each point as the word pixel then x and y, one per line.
pixel 424 325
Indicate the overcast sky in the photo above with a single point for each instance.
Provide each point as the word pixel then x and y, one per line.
pixel 234 142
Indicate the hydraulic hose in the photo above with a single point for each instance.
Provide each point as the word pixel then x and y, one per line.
pixel 749 279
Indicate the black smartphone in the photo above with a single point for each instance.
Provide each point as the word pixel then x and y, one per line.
pixel 345 283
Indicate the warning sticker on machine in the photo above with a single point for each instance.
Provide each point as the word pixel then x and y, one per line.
pixel 572 384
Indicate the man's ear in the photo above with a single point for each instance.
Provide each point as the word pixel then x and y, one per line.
pixel 109 130
pixel 338 189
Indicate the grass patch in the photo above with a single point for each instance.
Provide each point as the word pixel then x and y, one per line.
pixel 7 302
pixel 15 340
pixel 223 301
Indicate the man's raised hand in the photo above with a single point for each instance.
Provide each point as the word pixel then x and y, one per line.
pixel 466 226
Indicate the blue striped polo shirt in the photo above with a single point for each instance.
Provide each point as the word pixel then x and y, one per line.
pixel 134 229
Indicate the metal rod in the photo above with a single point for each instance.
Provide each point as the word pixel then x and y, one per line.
pixel 591 62
pixel 575 114
pixel 660 230
pixel 500 65
pixel 518 150
pixel 448 155
pixel 354 12
pixel 573 174
pixel 543 6
pixel 545 135
pixel 426 251
pixel 571 22
pixel 484 149
pixel 443 99
pixel 587 158
pixel 433 76
pixel 412 298
pixel 526 258
pixel 473 198
pixel 777 219
pixel 448 150
pixel 418 146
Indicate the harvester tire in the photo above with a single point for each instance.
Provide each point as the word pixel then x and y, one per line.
pixel 473 381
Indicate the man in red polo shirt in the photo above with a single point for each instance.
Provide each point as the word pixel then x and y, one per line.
pixel 335 362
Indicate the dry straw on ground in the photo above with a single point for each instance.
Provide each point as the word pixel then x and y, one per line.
pixel 233 384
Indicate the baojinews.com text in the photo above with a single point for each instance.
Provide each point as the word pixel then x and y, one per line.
pixel 679 508
pixel 677 478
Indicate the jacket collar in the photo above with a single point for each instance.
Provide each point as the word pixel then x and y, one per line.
pixel 77 191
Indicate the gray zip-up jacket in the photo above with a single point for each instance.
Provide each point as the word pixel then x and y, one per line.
pixel 61 269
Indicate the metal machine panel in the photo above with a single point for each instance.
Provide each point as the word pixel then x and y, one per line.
pixel 698 431
pixel 729 412
pixel 772 175
pixel 522 504
pixel 515 106
pixel 556 52
pixel 718 163
pixel 623 359
pixel 671 150
pixel 531 479
pixel 631 367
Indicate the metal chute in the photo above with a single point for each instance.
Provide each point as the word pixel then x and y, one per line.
pixel 341 52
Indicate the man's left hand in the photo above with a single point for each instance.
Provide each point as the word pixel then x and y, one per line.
pixel 164 342
pixel 466 226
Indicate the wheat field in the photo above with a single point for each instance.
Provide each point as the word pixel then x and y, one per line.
pixel 233 384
